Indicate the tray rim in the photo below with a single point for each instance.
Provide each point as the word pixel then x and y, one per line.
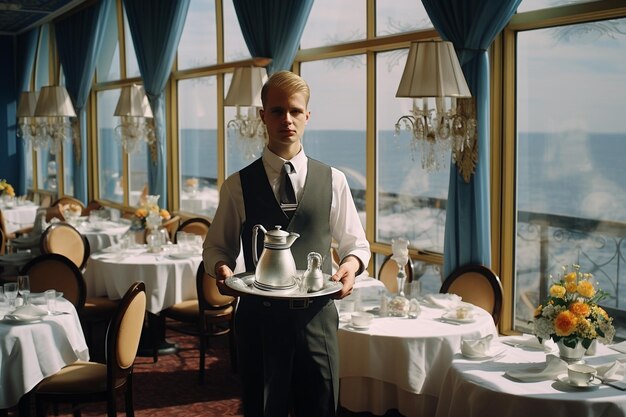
pixel 335 287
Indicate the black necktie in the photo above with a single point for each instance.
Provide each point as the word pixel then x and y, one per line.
pixel 287 194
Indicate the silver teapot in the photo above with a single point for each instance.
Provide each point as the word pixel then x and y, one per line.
pixel 276 267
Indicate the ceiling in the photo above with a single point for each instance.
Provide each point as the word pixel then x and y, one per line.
pixel 16 16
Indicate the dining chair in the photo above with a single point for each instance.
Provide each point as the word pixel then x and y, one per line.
pixel 68 200
pixel 388 274
pixel 196 225
pixel 3 240
pixel 211 314
pixel 55 271
pixel 91 206
pixel 86 382
pixel 478 285
pixel 65 239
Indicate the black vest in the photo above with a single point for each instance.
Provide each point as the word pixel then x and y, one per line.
pixel 311 219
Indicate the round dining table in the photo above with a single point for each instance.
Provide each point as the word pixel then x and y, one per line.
pixel 399 362
pixel 18 215
pixel 482 388
pixel 32 350
pixel 103 234
pixel 170 276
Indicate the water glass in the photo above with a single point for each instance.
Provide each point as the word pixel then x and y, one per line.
pixel 10 292
pixel 23 283
pixel 2 294
pixel 51 301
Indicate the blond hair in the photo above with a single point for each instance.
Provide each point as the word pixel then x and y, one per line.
pixel 289 83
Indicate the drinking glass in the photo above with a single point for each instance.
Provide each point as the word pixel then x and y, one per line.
pixel 10 292
pixel 51 301
pixel 23 283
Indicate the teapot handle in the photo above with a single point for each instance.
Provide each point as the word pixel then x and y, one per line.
pixel 255 234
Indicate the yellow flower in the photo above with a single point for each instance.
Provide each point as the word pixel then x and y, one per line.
pixel 141 213
pixel 571 287
pixel 571 277
pixel 585 288
pixel 557 291
pixel 599 312
pixel 165 214
pixel 538 311
pixel 580 309
pixel 565 323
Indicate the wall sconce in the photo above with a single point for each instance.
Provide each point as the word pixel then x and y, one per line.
pixel 248 128
pixel 26 121
pixel 133 110
pixel 53 110
pixel 445 120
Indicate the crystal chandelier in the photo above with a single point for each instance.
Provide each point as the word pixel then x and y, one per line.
pixel 247 127
pixel 134 111
pixel 27 122
pixel 444 120
pixel 52 113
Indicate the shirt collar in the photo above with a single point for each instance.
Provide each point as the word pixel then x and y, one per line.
pixel 276 162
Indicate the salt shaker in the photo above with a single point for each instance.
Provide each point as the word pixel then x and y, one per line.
pixel 313 278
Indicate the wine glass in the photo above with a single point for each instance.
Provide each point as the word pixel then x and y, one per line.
pixel 23 283
pixel 10 292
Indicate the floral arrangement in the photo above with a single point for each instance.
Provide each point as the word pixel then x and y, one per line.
pixel 191 182
pixel 6 188
pixel 571 313
pixel 149 206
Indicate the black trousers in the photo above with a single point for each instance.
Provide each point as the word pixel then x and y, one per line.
pixel 288 356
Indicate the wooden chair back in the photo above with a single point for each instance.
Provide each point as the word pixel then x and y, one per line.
pixel 65 239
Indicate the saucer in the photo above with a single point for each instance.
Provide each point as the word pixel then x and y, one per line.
pixel 595 382
pixel 451 316
pixel 355 327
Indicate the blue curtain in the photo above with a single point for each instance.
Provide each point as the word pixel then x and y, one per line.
pixel 273 28
pixel 26 49
pixel 79 40
pixel 471 25
pixel 156 27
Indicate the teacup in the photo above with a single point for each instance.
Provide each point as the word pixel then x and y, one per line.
pixel 580 374
pixel 463 312
pixel 361 319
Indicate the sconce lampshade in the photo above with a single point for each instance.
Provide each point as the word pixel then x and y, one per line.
pixel 133 102
pixel 245 87
pixel 432 70
pixel 27 104
pixel 54 101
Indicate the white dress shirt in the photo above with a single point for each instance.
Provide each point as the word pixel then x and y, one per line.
pixel 223 241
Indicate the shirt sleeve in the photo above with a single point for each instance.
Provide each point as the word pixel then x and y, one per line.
pixel 223 242
pixel 345 223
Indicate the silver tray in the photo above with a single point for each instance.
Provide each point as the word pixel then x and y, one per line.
pixel 244 283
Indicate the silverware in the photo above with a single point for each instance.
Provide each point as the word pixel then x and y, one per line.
pixel 454 323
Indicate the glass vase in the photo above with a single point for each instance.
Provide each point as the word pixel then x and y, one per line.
pixel 571 355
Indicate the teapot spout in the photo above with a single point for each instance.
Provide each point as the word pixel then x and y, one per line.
pixel 292 238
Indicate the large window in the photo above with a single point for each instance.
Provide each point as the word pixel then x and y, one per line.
pixel 571 194
pixel 109 149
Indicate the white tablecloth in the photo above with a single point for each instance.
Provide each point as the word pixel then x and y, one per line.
pixel 168 280
pixel 31 352
pixel 399 362
pixel 104 235
pixel 19 216
pixel 481 389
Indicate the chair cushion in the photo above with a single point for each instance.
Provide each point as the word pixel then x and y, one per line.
pixel 99 307
pixel 79 377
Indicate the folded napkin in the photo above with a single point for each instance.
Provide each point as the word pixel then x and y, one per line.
pixel 442 300
pixel 26 312
pixel 620 347
pixel 476 347
pixel 553 367
pixel 615 370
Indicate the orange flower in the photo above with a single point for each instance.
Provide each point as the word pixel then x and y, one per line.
pixel 141 213
pixel 165 214
pixel 571 287
pixel 565 323
pixel 557 291
pixel 585 288
pixel 580 309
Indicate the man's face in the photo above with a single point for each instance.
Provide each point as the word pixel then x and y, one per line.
pixel 285 117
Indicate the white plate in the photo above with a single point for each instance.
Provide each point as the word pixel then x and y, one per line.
pixel 182 255
pixel 451 316
pixel 491 353
pixel 355 327
pixel 595 383
pixel 244 284
pixel 11 320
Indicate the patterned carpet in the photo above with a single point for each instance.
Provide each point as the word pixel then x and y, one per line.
pixel 170 388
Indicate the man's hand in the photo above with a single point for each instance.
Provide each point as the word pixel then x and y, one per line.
pixel 222 271
pixel 346 275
